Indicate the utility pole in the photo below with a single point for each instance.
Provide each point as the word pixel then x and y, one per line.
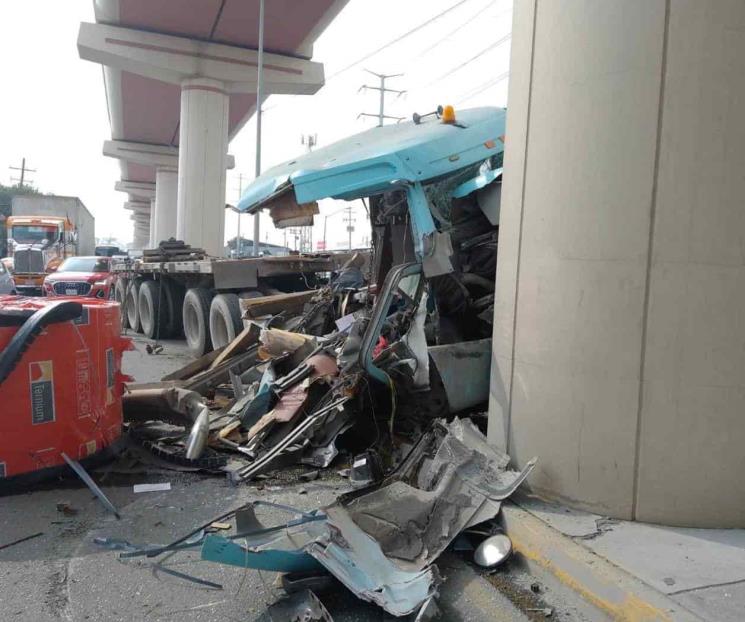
pixel 238 244
pixel 259 97
pixel 383 90
pixel 22 179
pixel 306 239
pixel 350 226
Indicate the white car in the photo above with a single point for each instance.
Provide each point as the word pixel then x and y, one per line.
pixel 7 285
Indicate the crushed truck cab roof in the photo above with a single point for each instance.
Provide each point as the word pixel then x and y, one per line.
pixel 372 161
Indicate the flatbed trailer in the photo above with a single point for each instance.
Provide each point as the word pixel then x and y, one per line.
pixel 199 299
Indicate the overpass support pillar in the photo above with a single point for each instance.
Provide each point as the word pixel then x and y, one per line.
pixel 203 144
pixel 619 334
pixel 166 205
pixel 141 231
pixel 151 234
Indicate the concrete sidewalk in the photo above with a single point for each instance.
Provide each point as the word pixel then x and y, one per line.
pixel 633 571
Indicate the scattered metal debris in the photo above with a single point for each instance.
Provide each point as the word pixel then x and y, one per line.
pixel 152 487
pixel 382 541
pixel 88 481
pixel 299 607
pixel 19 540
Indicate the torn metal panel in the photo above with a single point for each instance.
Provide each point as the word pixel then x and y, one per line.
pixel 450 480
pixel 381 541
pixel 358 561
pixel 224 551
pixel 301 606
pixel 437 253
pixel 416 341
pixel 302 431
pixel 464 369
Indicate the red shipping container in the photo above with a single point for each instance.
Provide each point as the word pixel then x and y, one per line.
pixel 64 394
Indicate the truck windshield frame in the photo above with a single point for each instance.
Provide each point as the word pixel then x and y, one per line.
pixel 35 234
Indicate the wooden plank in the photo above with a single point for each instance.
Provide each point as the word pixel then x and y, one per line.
pixel 270 305
pixel 196 366
pixel 247 337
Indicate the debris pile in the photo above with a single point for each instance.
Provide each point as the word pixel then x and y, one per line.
pixel 380 541
pixel 384 370
pixel 293 382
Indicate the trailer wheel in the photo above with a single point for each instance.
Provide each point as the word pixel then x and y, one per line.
pixel 173 298
pixel 120 292
pixel 132 299
pixel 225 319
pixel 152 317
pixel 196 316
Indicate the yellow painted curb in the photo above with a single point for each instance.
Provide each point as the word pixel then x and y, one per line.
pixel 604 585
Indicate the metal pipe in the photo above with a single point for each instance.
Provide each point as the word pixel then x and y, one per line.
pixel 259 95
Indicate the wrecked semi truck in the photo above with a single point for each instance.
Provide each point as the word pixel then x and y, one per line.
pixel 386 367
pixel 432 189
pixel 385 348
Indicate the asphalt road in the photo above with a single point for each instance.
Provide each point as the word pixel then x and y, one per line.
pixel 64 575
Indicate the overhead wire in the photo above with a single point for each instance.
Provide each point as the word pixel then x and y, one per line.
pixel 437 43
pixel 460 66
pixel 483 87
pixel 470 20
pixel 398 38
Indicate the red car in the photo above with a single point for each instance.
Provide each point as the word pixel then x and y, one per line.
pixel 81 276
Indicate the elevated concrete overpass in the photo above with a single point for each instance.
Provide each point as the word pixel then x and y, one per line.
pixel 181 80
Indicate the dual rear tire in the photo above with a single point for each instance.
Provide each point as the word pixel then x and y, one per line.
pixel 207 321
pixel 210 321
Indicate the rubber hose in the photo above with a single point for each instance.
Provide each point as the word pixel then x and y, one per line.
pixel 54 313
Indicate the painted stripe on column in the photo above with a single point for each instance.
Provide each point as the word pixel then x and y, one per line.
pixel 212 89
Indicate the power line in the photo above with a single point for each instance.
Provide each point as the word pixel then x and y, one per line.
pixel 483 87
pixel 470 20
pixel 488 48
pixel 399 38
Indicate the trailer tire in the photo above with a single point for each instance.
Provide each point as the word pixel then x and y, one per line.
pixel 120 292
pixel 173 298
pixel 225 319
pixel 132 304
pixel 152 317
pixel 196 317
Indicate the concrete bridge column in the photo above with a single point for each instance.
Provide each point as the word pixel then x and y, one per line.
pixel 166 189
pixel 151 232
pixel 203 143
pixel 619 340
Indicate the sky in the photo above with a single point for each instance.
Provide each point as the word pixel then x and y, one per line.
pixel 53 106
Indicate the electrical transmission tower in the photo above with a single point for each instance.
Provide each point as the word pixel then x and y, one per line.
pixel 22 179
pixel 383 90
pixel 306 233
